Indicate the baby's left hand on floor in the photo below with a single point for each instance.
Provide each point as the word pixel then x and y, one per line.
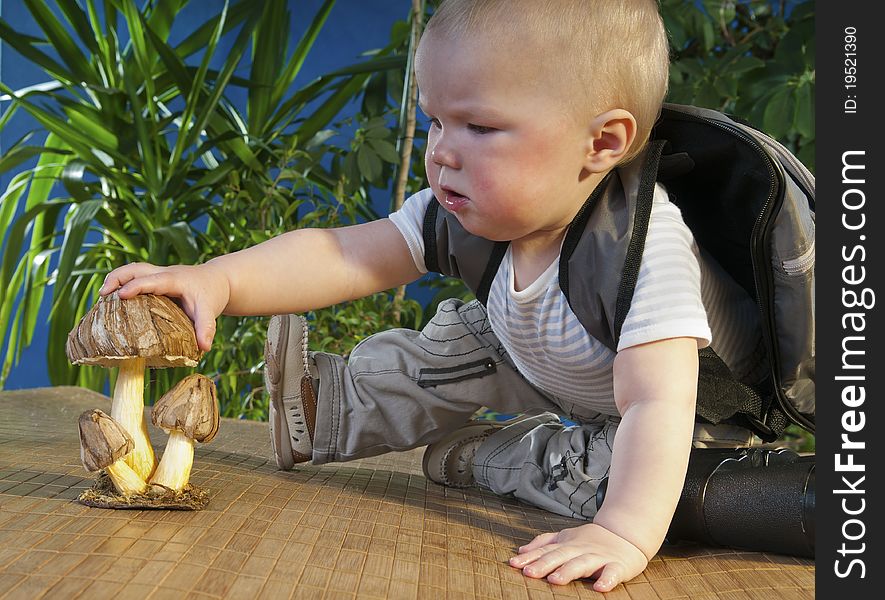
pixel 586 551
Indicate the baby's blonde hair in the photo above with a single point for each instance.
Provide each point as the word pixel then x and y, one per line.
pixel 615 50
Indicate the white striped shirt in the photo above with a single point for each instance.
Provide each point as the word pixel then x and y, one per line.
pixel 554 352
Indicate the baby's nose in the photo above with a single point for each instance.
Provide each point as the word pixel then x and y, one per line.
pixel 445 156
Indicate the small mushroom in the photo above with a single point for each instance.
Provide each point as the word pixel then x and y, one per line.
pixel 189 413
pixel 103 444
pixel 146 331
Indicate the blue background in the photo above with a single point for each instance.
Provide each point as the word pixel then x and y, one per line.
pixel 353 27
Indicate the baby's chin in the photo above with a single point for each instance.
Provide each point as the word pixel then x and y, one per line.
pixel 480 227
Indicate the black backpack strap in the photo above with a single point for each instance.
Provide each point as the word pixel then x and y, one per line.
pixel 644 199
pixel 451 250
pixel 595 247
pixel 576 230
pixel 431 260
pixel 485 284
pixel 722 398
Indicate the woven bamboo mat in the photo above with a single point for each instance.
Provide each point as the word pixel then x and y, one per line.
pixel 374 528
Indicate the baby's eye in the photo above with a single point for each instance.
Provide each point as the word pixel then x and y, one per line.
pixel 480 129
pixel 434 122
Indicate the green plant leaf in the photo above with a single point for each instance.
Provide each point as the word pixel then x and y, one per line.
pixel 14 276
pixel 385 150
pixel 77 224
pixel 375 97
pixel 61 41
pixel 72 137
pixel 70 303
pixel 9 204
pixel 115 231
pixel 369 163
pixel 214 176
pixel 80 22
pixel 175 66
pixel 19 153
pixel 268 50
pixel 199 39
pixel 35 286
pixel 331 81
pixel 707 96
pixel 777 118
pixel 10 112
pixel 293 67
pixel 803 121
pixel 74 179
pixel 41 179
pixel 24 45
pixel 89 121
pixel 106 54
pixel 182 239
pixel 12 339
pixel 743 64
pixel 151 171
pixel 207 110
pixel 137 42
pixel 162 16
pixel 186 136
pixel 331 107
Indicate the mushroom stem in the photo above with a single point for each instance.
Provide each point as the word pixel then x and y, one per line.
pixel 128 410
pixel 125 479
pixel 174 469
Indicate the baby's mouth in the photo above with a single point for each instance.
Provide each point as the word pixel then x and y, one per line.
pixel 452 200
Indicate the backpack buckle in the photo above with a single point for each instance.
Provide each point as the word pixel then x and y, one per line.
pixel 761 428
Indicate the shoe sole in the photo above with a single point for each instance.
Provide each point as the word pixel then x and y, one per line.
pixel 279 329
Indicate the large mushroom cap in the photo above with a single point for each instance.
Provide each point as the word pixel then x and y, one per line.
pixel 102 440
pixel 147 326
pixel 191 407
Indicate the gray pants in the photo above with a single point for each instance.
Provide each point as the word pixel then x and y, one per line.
pixel 401 389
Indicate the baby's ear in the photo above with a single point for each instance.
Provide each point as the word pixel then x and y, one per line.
pixel 610 137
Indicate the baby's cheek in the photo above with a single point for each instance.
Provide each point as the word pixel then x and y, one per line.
pixel 488 181
pixel 430 168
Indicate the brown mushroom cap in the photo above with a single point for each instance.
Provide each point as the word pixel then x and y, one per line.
pixel 103 441
pixel 191 407
pixel 147 326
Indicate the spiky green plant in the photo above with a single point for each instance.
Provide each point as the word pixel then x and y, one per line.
pixel 158 165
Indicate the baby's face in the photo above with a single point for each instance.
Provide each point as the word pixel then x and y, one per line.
pixel 505 149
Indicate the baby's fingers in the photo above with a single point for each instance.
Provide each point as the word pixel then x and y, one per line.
pixel 585 565
pixel 541 540
pixel 612 574
pixel 123 275
pixel 549 562
pixel 204 325
pixel 161 283
pixel 529 556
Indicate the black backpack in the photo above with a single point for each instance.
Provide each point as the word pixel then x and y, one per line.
pixel 760 226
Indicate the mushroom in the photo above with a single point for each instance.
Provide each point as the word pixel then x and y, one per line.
pixel 189 413
pixel 103 443
pixel 144 331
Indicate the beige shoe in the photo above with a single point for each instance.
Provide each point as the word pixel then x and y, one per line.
pixel 293 404
pixel 449 461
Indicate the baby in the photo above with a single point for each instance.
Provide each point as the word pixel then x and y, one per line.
pixel 532 104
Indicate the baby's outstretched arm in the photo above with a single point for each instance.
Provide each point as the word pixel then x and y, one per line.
pixel 293 272
pixel 655 390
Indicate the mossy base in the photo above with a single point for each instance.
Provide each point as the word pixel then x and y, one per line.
pixel 103 494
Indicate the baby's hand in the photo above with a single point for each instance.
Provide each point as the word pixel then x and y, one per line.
pixel 586 551
pixel 203 291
